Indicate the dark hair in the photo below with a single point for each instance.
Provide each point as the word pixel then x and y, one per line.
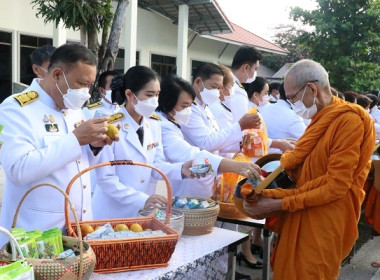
pixel 374 100
pixel 281 90
pixel 42 54
pixel 256 86
pixel 363 101
pixel 70 54
pixel 350 96
pixel 171 87
pixel 134 79
pixel 102 80
pixel 206 70
pixel 245 54
pixel 274 85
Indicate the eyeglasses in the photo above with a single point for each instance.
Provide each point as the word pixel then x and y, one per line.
pixel 290 99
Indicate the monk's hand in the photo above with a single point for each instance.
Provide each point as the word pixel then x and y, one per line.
pixel 263 208
pixel 250 121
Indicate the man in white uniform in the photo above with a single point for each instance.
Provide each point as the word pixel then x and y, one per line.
pixel 106 106
pixel 45 139
pixel 244 67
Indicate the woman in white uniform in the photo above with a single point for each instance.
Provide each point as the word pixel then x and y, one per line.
pixel 122 191
pixel 174 108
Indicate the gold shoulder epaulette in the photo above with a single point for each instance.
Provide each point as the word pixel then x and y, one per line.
pixel 155 117
pixel 26 97
pixel 116 117
pixel 195 102
pixel 225 106
pixel 94 105
pixel 240 85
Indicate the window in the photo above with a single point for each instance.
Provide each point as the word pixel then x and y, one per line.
pixel 163 65
pixel 119 62
pixel 27 45
pixel 5 65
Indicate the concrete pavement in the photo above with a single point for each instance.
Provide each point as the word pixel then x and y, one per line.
pixel 359 267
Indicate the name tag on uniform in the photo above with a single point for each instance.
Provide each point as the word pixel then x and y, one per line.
pixel 51 127
pixel 153 145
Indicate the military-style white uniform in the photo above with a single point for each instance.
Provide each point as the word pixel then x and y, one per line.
pixel 176 149
pixel 122 190
pixel 39 146
pixel 239 101
pixel 108 109
pixel 281 121
pixel 224 118
pixel 203 131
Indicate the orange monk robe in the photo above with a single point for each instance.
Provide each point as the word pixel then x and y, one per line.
pixel 330 164
pixel 372 206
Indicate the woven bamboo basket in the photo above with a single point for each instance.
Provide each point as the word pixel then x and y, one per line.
pixel 114 255
pixel 79 267
pixel 200 221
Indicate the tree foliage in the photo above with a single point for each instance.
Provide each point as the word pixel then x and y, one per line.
pixel 287 37
pixel 346 41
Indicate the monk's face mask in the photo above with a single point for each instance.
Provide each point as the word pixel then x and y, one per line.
pixel 300 109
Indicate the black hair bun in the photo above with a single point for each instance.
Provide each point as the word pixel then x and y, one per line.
pixel 117 83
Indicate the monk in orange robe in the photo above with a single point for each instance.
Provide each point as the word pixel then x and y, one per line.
pixel 317 220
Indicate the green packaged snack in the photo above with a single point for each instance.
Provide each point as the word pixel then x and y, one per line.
pixel 17 230
pixel 58 235
pixel 6 268
pixel 21 273
pixel 28 246
pixel 43 248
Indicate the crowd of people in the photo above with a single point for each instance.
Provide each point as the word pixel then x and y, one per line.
pixel 48 136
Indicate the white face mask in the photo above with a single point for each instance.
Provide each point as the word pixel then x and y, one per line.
pixel 209 96
pixel 229 97
pixel 182 117
pixel 108 96
pixel 146 107
pixel 74 98
pixel 300 109
pixel 251 79
pixel 265 100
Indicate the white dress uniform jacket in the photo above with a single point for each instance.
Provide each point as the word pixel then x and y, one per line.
pixel 176 149
pixel 108 109
pixel 224 118
pixel 122 190
pixel 39 146
pixel 203 131
pixel 281 121
pixel 375 114
pixel 239 101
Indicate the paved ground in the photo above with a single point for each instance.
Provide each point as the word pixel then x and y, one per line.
pixel 359 267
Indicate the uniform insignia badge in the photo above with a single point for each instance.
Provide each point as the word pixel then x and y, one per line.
pixel 78 123
pixel 155 117
pixel 51 127
pixel 26 98
pixel 153 145
pixel 126 126
pixel 51 118
pixel 116 117
pixel 240 85
pixel 46 119
pixel 94 105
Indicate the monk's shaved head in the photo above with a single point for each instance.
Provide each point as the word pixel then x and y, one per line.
pixel 307 70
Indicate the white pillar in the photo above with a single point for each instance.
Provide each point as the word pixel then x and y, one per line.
pixel 183 25
pixel 59 35
pixel 15 59
pixel 130 35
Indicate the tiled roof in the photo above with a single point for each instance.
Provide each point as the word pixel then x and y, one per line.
pixel 244 36
pixel 280 74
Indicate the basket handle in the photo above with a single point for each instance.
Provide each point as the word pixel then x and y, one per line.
pixel 67 200
pixel 70 230
pixel 14 244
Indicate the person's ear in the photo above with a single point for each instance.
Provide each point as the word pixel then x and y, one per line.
pixel 314 89
pixel 102 91
pixel 198 84
pixel 35 69
pixel 57 72
pixel 129 95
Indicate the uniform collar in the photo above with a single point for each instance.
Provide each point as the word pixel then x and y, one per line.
pixel 283 103
pixel 43 96
pixel 164 117
pixel 133 124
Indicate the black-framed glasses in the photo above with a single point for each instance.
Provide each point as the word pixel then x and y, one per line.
pixel 290 100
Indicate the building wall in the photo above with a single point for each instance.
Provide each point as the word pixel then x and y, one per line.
pixel 155 35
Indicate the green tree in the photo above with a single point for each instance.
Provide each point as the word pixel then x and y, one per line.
pixel 287 37
pixel 91 17
pixel 346 41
